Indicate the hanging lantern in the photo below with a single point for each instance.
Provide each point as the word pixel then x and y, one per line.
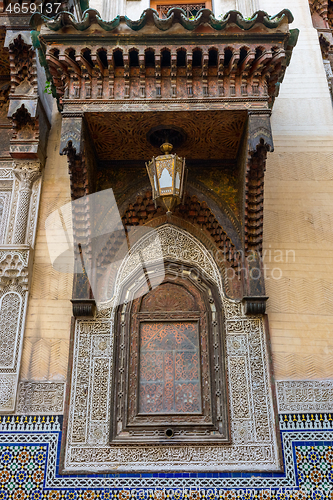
pixel 166 174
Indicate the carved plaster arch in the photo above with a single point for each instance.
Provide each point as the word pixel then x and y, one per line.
pixel 178 245
pixel 231 281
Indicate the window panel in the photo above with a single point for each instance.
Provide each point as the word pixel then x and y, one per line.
pixel 169 376
pixel 169 368
pixel 191 9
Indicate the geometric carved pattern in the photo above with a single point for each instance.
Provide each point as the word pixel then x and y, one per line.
pixel 5 197
pixel 208 134
pixel 14 272
pixel 14 266
pixel 254 444
pixel 8 383
pixel 12 215
pixel 10 308
pixel 22 65
pixel 27 173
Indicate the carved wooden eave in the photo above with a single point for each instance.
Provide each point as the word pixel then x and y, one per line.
pixel 215 78
pixel 320 7
pixel 251 57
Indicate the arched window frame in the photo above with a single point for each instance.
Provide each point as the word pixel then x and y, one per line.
pixel 212 424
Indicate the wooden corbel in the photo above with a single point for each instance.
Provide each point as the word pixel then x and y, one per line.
pixel 81 170
pixel 259 143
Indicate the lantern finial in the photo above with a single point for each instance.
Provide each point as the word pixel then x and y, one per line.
pixel 166 148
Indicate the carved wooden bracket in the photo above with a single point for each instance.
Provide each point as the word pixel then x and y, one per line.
pixel 247 67
pixel 319 6
pixel 255 305
pixel 259 143
pixel 74 144
pixel 83 308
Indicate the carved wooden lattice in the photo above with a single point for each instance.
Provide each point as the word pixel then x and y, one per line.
pixel 191 9
pixel 169 368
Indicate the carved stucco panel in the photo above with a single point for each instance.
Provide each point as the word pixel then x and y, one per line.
pixel 10 311
pixel 305 396
pixel 12 215
pixel 254 444
pixel 33 213
pixel 8 385
pixel 14 269
pixel 5 198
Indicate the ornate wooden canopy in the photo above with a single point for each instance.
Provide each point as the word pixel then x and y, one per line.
pixel 216 79
pixel 231 63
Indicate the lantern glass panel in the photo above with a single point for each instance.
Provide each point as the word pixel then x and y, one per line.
pixel 177 181
pixel 165 180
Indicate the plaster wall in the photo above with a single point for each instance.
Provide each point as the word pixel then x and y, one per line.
pixel 46 342
pixel 298 211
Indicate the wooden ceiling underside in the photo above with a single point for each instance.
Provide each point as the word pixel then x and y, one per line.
pixel 209 135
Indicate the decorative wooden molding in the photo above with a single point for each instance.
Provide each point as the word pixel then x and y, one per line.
pixel 204 426
pixel 259 143
pixel 83 308
pixel 232 64
pixel 223 67
pixel 255 305
pixel 74 144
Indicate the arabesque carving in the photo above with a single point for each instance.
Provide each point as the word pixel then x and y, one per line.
pixel 254 442
pixel 14 283
pixel 196 212
pixel 14 268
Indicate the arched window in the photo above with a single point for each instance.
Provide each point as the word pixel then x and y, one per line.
pixel 170 383
pixel 191 8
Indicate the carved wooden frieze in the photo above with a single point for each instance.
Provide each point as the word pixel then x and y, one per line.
pixel 231 60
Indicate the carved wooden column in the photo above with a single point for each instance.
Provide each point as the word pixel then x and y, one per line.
pixel 74 143
pixel 259 143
